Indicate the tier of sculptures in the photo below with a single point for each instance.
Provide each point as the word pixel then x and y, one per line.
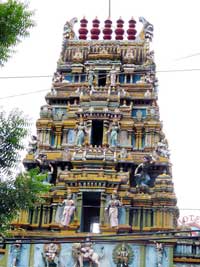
pixel 83 252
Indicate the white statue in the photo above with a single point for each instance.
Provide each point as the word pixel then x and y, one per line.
pixel 32 146
pixel 112 209
pixel 68 211
pixel 113 76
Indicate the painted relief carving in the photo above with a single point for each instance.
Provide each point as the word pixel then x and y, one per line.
pixel 123 255
pixel 84 252
pixel 16 253
pixel 51 254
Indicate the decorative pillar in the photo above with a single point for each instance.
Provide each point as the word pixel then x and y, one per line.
pixel 105 130
pixel 102 209
pixel 47 141
pixel 79 206
pixel 88 136
pixel 64 139
pixel 58 136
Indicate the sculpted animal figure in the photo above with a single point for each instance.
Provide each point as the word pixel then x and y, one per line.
pixel 83 252
pixel 147 30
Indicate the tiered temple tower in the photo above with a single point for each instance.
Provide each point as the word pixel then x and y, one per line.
pixel 100 139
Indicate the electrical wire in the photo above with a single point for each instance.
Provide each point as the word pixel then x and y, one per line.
pixel 135 72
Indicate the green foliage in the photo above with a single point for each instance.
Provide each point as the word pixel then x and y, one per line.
pixel 13 129
pixel 22 193
pixel 15 21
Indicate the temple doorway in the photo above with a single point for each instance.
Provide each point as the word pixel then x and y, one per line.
pixel 97 133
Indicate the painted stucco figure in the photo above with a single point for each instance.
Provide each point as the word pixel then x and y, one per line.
pixel 91 77
pixel 112 210
pixel 81 132
pixel 114 130
pixel 16 253
pixel 142 171
pixel 84 252
pixel 113 76
pixel 68 210
pixel 51 254
pixel 147 31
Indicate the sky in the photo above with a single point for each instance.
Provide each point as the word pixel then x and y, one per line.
pixel 176 44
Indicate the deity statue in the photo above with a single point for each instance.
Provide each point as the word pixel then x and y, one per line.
pixel 57 77
pixel 123 255
pixel 91 77
pixel 114 134
pixel 162 148
pixel 51 254
pixel 32 146
pixel 84 252
pixel 142 171
pixel 68 211
pixel 16 253
pixel 81 132
pixel 112 210
pixel 113 76
pixel 45 167
pixel 159 254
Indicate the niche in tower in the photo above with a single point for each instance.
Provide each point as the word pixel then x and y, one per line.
pixel 90 212
pixel 97 133
pixel 102 78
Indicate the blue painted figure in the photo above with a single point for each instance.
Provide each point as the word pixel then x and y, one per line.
pixel 80 134
pixel 16 253
pixel 114 134
pixel 141 172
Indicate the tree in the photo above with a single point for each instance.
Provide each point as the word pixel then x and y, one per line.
pixel 15 22
pixel 25 190
pixel 13 130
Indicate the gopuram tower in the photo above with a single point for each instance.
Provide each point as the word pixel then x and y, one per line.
pixel 101 142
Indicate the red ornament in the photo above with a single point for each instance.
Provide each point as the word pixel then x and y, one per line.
pixel 95 30
pixel 119 31
pixel 107 31
pixel 131 30
pixel 83 29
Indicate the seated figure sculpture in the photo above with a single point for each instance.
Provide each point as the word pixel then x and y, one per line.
pixel 142 172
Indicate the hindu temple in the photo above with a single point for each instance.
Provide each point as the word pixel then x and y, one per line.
pixel 101 143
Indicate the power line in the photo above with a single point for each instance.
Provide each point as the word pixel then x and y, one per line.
pixel 135 72
pixel 28 93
